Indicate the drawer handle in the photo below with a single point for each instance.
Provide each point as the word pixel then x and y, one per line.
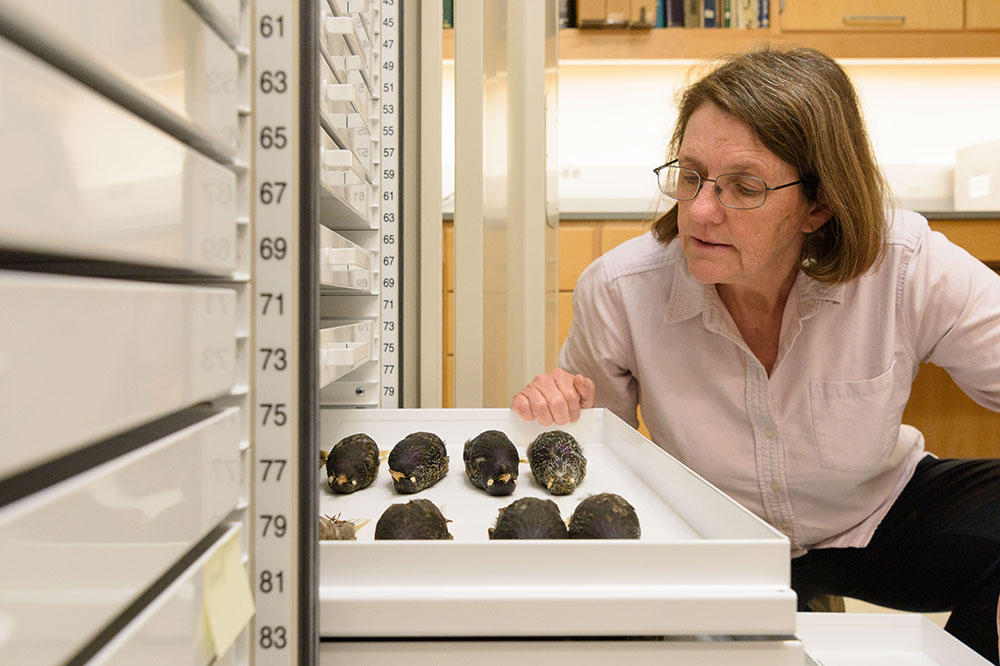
pixel 874 19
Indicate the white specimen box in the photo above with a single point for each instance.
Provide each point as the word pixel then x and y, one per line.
pixel 704 565
pixel 168 55
pixel 880 639
pixel 77 553
pixel 82 359
pixel 344 266
pixel 977 177
pixel 85 178
pixel 345 348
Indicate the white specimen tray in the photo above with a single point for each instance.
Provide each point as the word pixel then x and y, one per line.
pixel 880 639
pixel 704 565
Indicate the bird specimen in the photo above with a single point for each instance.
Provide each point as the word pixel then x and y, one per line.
pixel 352 464
pixel 418 461
pixel 417 519
pixel 604 516
pixel 557 461
pixel 491 462
pixel 529 518
pixel 335 529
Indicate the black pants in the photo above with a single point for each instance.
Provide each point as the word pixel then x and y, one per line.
pixel 938 549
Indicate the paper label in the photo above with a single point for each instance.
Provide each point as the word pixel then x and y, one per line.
pixel 228 597
pixel 979 186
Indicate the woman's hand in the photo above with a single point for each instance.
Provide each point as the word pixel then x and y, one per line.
pixel 556 398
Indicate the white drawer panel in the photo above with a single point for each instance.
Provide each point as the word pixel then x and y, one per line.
pixel 168 53
pixel 82 359
pixel 171 630
pixel 775 652
pixel 81 176
pixel 76 554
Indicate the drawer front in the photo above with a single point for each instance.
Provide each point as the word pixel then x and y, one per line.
pixel 982 14
pixel 773 652
pixel 873 15
pixel 82 359
pixel 81 176
pixel 169 54
pixel 170 631
pixel 77 553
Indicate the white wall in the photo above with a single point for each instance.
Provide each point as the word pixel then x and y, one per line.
pixel 615 119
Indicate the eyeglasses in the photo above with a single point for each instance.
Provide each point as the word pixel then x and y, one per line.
pixel 733 190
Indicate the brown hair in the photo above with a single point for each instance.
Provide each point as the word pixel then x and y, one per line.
pixel 802 106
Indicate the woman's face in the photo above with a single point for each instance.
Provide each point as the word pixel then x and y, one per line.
pixel 758 248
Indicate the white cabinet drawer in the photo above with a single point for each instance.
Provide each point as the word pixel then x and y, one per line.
pixel 167 53
pixel 82 359
pixel 691 652
pixel 77 553
pixel 704 565
pixel 83 177
pixel 170 631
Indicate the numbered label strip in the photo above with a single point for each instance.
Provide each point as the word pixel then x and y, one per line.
pixel 386 72
pixel 276 533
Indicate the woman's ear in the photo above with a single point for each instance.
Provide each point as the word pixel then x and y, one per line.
pixel 818 214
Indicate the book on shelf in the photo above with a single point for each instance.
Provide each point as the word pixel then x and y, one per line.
pixel 693 13
pixel 708 18
pixel 673 13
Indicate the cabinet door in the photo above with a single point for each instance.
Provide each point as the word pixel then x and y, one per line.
pixel 872 15
pixel 982 14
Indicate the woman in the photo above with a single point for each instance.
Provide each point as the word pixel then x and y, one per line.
pixel 770 327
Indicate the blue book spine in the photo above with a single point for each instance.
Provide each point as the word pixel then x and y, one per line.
pixel 661 13
pixel 709 14
pixel 765 14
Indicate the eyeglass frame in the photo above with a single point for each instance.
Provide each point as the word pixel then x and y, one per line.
pixel 702 180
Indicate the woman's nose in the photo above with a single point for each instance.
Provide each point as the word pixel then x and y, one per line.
pixel 706 205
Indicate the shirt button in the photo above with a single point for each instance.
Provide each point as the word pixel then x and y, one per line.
pixel 775 487
pixel 769 433
pixel 784 526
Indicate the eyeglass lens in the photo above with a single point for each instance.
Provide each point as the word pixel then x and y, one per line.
pixel 733 190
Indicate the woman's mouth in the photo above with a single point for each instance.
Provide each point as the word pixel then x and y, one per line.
pixel 708 244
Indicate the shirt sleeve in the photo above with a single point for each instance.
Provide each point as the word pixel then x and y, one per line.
pixel 952 303
pixel 599 346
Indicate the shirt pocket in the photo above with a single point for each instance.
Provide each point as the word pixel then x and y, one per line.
pixel 852 423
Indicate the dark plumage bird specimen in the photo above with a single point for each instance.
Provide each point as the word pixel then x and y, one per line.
pixel 604 516
pixel 491 462
pixel 557 461
pixel 417 519
pixel 529 518
pixel 352 464
pixel 418 461
pixel 334 529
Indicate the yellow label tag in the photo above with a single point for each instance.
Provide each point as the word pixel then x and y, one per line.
pixel 228 598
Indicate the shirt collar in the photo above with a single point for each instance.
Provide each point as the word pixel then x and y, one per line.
pixel 688 297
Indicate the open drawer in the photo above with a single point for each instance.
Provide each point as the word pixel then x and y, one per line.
pixel 704 565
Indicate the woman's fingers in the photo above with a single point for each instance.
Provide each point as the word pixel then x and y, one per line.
pixel 556 397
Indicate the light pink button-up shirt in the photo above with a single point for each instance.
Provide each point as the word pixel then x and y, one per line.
pixel 816 449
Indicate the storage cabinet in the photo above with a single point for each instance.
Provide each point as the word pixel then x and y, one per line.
pixel 927 29
pixel 982 15
pixel 872 15
pixel 125 343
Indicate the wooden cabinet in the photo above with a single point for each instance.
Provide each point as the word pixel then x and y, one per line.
pixel 888 15
pixel 927 29
pixel 982 15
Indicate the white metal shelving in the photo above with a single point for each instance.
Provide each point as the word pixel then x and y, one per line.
pixel 358 211
pixel 125 361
